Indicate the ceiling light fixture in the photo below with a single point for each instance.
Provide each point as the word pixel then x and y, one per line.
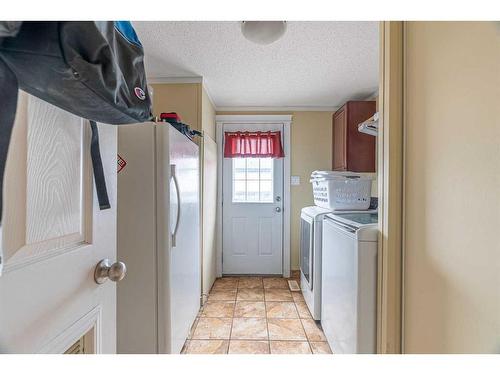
pixel 263 32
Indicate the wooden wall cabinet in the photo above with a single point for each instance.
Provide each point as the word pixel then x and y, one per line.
pixel 353 151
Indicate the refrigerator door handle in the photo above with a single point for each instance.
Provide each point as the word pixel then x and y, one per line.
pixel 174 185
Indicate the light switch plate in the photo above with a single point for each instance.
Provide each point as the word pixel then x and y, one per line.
pixel 295 180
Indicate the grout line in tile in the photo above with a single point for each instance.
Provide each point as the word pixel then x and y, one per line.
pixel 245 339
pixel 267 321
pixel 302 324
pixel 267 325
pixel 232 320
pixel 307 337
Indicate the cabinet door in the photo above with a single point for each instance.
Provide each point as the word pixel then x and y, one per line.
pixel 360 147
pixel 339 140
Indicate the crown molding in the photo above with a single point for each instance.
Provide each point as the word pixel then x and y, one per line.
pixel 209 96
pixel 156 80
pixel 373 95
pixel 277 109
pixel 253 118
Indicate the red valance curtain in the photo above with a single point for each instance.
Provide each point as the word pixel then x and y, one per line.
pixel 253 145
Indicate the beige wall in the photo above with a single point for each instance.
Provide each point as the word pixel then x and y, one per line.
pixel 311 150
pixel 189 100
pixel 452 188
pixel 311 144
pixel 207 114
pixel 183 98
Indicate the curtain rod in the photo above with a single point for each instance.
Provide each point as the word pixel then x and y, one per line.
pixel 254 133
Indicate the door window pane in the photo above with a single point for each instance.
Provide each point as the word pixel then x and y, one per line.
pixel 253 169
pixel 266 163
pixel 266 174
pixel 253 180
pixel 239 191
pixel 239 169
pixel 252 191
pixel 266 191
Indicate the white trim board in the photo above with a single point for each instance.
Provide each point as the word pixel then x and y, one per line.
pixel 156 80
pixel 91 320
pixel 253 119
pixel 278 109
pixel 286 120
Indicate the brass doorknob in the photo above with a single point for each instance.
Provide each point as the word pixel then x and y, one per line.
pixel 105 270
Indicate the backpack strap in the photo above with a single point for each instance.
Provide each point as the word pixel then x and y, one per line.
pixel 100 181
pixel 8 98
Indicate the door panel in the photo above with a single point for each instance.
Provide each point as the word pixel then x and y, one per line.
pixel 252 218
pixel 339 137
pixel 51 203
pixel 185 255
pixel 238 230
pixel 54 234
pixel 265 236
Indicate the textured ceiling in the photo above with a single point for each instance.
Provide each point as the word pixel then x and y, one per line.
pixel 315 64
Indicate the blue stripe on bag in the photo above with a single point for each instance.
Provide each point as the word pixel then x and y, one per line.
pixel 126 29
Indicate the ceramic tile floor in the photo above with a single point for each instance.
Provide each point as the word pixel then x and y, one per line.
pixel 255 315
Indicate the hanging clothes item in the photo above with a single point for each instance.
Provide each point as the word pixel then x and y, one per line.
pixel 253 145
pixel 175 120
pixel 94 70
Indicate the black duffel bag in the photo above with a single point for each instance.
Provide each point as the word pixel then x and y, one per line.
pixel 94 70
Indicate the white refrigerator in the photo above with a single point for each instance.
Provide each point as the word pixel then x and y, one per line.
pixel 158 238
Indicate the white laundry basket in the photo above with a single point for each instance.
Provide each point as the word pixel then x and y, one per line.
pixel 341 190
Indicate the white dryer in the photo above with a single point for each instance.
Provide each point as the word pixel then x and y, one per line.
pixel 311 219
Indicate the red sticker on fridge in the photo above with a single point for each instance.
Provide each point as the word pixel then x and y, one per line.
pixel 121 163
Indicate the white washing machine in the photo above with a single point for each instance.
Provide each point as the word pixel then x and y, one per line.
pixel 349 282
pixel 311 219
pixel 311 229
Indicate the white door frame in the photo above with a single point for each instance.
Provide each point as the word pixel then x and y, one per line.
pixel 390 187
pixel 286 120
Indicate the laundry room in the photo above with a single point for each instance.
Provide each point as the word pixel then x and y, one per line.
pixel 276 158
pixel 268 188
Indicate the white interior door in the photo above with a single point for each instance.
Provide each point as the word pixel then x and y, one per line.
pixel 252 222
pixel 54 234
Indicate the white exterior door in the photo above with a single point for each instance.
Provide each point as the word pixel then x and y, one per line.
pixel 252 223
pixel 53 235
